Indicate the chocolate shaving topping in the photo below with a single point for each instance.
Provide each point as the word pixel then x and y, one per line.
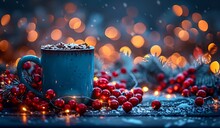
pixel 63 46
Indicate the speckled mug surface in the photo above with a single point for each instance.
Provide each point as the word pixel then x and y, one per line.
pixel 67 72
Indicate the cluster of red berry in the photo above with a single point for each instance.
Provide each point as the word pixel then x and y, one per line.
pixel 184 83
pixel 114 94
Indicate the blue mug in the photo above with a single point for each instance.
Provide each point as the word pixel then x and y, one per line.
pixel 67 72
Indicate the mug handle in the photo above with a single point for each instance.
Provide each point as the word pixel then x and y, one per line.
pixel 20 69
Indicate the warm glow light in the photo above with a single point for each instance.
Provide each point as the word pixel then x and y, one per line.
pixel 112 33
pixel 214 67
pixel 56 34
pixel 168 96
pixel 90 40
pixel 126 50
pixel 138 59
pixel 4 45
pixel 79 41
pixel 139 28
pixel 69 40
pixel 81 28
pixel 206 58
pixel 32 36
pixel 186 24
pixel 30 27
pixel 156 93
pixel 181 61
pixel 16 62
pixel 163 59
pixel 177 10
pixel 196 17
pixel 24 109
pixel 203 25
pixel 31 52
pixel 177 30
pixel 169 41
pixel 155 50
pixel 183 35
pixel 145 89
pixel 5 19
pixel 22 22
pixel 75 23
pixel 212 48
pixel 194 31
pixel 67 111
pixel 70 7
pixel 95 78
pixel 137 41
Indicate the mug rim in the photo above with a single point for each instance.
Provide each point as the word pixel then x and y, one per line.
pixel 69 50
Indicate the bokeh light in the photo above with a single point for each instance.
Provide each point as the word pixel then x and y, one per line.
pixel 155 50
pixel 183 35
pixel 56 34
pixel 214 67
pixel 178 11
pixel 139 28
pixel 90 40
pixel 5 19
pixel 32 36
pixel 75 23
pixel 4 44
pixel 137 41
pixel 203 25
pixel 112 33
pixel 70 7
pixel 126 50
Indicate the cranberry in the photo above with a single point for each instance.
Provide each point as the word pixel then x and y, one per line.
pixel 72 104
pixel 112 98
pixel 134 101
pixel 122 99
pixel 110 87
pixel 185 93
pixel 105 94
pixel 1 107
pixel 211 91
pixel 96 92
pixel 102 83
pixel 15 91
pixel 163 84
pixel 190 80
pixel 27 65
pixel 114 74
pixel 43 106
pixel 67 107
pixel 169 90
pixel 199 101
pixel 113 104
pixel 22 88
pixel 37 78
pixel 138 90
pixel 96 104
pixel 30 95
pixel 160 77
pixel 134 70
pixel 14 100
pixel 155 104
pixel 1 98
pixel 120 85
pixel 59 102
pixel 36 100
pixel 127 106
pixel 81 108
pixel 116 93
pixel 176 87
pixel 50 94
pixel 139 96
pixel 186 84
pixel 123 70
pixel 191 70
pixel 28 101
pixel 201 93
pixel 129 94
pixel 194 89
pixel 203 87
pixel 172 81
pixel 185 73
pixel 180 78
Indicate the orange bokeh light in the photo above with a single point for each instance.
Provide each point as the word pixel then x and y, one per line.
pixel 126 50
pixel 183 35
pixel 139 28
pixel 137 41
pixel 4 45
pixel 69 40
pixel 112 33
pixel 70 7
pixel 138 59
pixel 5 19
pixel 75 23
pixel 178 11
pixel 169 41
pixel 155 50
pixel 90 40
pixel 196 17
pixel 186 24
pixel 30 27
pixel 32 36
pixel 79 41
pixel 203 25
pixel 56 34
pixel 81 28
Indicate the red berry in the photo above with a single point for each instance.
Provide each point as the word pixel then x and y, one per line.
pixel 127 106
pixel 122 90
pixel 176 87
pixel 96 104
pixel 7 72
pixel 139 96
pixel 211 91
pixel 191 70
pixel 43 106
pixel 160 77
pixel 108 77
pixel 15 91
pixel 169 90
pixel 14 100
pixel 123 70
pixel 1 98
pixel 37 78
pixel 185 93
pixel 102 83
pixel 116 93
pixel 96 92
pixel 110 87
pixel 190 80
pixel 172 81
pixel 180 78
pixel 67 107
pixel 201 93
pixel 28 101
pixel 123 81
pixel 72 104
pixel 134 70
pixel 186 84
pixel 203 87
pixel 103 72
pixel 199 101
pixel 129 94
pixel 185 73
pixel 81 108
pixel 194 89
pixel 113 104
pixel 59 102
pixel 22 88
pixel 155 104
pixel 112 98
pixel 138 90
pixel 95 83
pixel 36 100
pixel 163 84
pixel 105 94
pixel 1 107
pixel 50 94
pixel 122 99
pixel 120 85
pixel 134 101
pixel 114 74
pixel 27 65
pixel 30 95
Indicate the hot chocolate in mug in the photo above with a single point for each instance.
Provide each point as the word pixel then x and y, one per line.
pixel 68 72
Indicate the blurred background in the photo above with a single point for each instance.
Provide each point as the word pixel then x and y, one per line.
pixel 175 31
